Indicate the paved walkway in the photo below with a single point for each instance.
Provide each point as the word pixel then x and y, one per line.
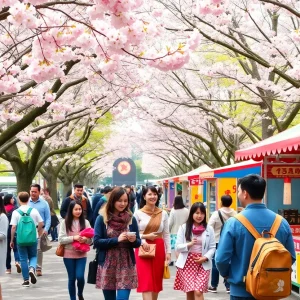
pixel 53 285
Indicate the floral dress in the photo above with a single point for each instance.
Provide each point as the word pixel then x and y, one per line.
pixel 118 271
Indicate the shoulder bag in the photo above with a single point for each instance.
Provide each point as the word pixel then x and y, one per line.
pixel 60 251
pixel 92 274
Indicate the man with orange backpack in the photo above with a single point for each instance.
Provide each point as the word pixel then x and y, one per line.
pixel 250 244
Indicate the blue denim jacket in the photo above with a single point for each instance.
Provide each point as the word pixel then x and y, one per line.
pixel 236 243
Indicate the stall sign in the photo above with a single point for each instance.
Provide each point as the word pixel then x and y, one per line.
pixel 172 186
pixel 195 181
pixel 209 174
pixel 282 171
pixel 295 229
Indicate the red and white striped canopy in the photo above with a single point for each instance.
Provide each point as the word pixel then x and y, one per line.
pixel 287 142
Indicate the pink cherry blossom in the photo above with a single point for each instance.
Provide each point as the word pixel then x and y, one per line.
pixel 110 66
pixel 50 97
pixel 194 39
pixel 205 10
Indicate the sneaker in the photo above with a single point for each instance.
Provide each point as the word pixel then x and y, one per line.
pixel 32 276
pixel 25 283
pixel 212 289
pixel 8 271
pixel 39 272
pixel 18 266
pixel 228 290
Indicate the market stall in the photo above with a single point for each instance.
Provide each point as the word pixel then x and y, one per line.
pixel 188 183
pixel 281 169
pixel 192 185
pixel 221 181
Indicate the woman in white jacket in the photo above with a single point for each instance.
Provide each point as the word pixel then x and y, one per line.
pixel 196 245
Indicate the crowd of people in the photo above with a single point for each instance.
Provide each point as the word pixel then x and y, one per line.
pixel 135 247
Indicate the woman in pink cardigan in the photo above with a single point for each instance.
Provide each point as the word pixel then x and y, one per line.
pixel 74 261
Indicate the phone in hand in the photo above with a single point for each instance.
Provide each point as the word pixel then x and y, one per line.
pixel 131 233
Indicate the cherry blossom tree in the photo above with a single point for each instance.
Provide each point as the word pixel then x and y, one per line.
pixel 49 50
pixel 85 155
pixel 240 86
pixel 27 153
pixel 261 43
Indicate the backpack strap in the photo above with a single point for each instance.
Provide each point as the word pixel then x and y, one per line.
pixel 220 216
pixel 248 225
pixel 20 212
pixel 24 213
pixel 276 225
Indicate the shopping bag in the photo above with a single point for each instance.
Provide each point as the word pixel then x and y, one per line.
pixel 167 274
pixel 45 243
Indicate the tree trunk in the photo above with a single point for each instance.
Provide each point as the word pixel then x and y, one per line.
pixel 67 188
pixel 24 180
pixel 52 186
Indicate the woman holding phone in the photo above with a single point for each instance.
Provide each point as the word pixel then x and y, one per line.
pixel 116 235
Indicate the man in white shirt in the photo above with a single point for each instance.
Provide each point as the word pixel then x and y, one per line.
pixel 27 253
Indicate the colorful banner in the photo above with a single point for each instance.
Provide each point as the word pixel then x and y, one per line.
pixel 227 186
pixel 195 197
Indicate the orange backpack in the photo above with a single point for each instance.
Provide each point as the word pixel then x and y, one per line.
pixel 270 267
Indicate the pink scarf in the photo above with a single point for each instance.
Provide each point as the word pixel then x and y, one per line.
pixel 197 230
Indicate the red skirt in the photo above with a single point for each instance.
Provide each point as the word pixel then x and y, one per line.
pixel 150 271
pixel 192 277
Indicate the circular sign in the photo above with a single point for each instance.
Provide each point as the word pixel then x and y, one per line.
pixel 124 167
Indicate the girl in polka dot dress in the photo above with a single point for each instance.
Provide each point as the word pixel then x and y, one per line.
pixel 196 245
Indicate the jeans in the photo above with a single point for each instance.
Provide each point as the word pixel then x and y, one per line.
pixel 75 268
pixel 8 253
pixel 116 295
pixel 215 274
pixel 241 298
pixel 53 232
pixel 28 258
